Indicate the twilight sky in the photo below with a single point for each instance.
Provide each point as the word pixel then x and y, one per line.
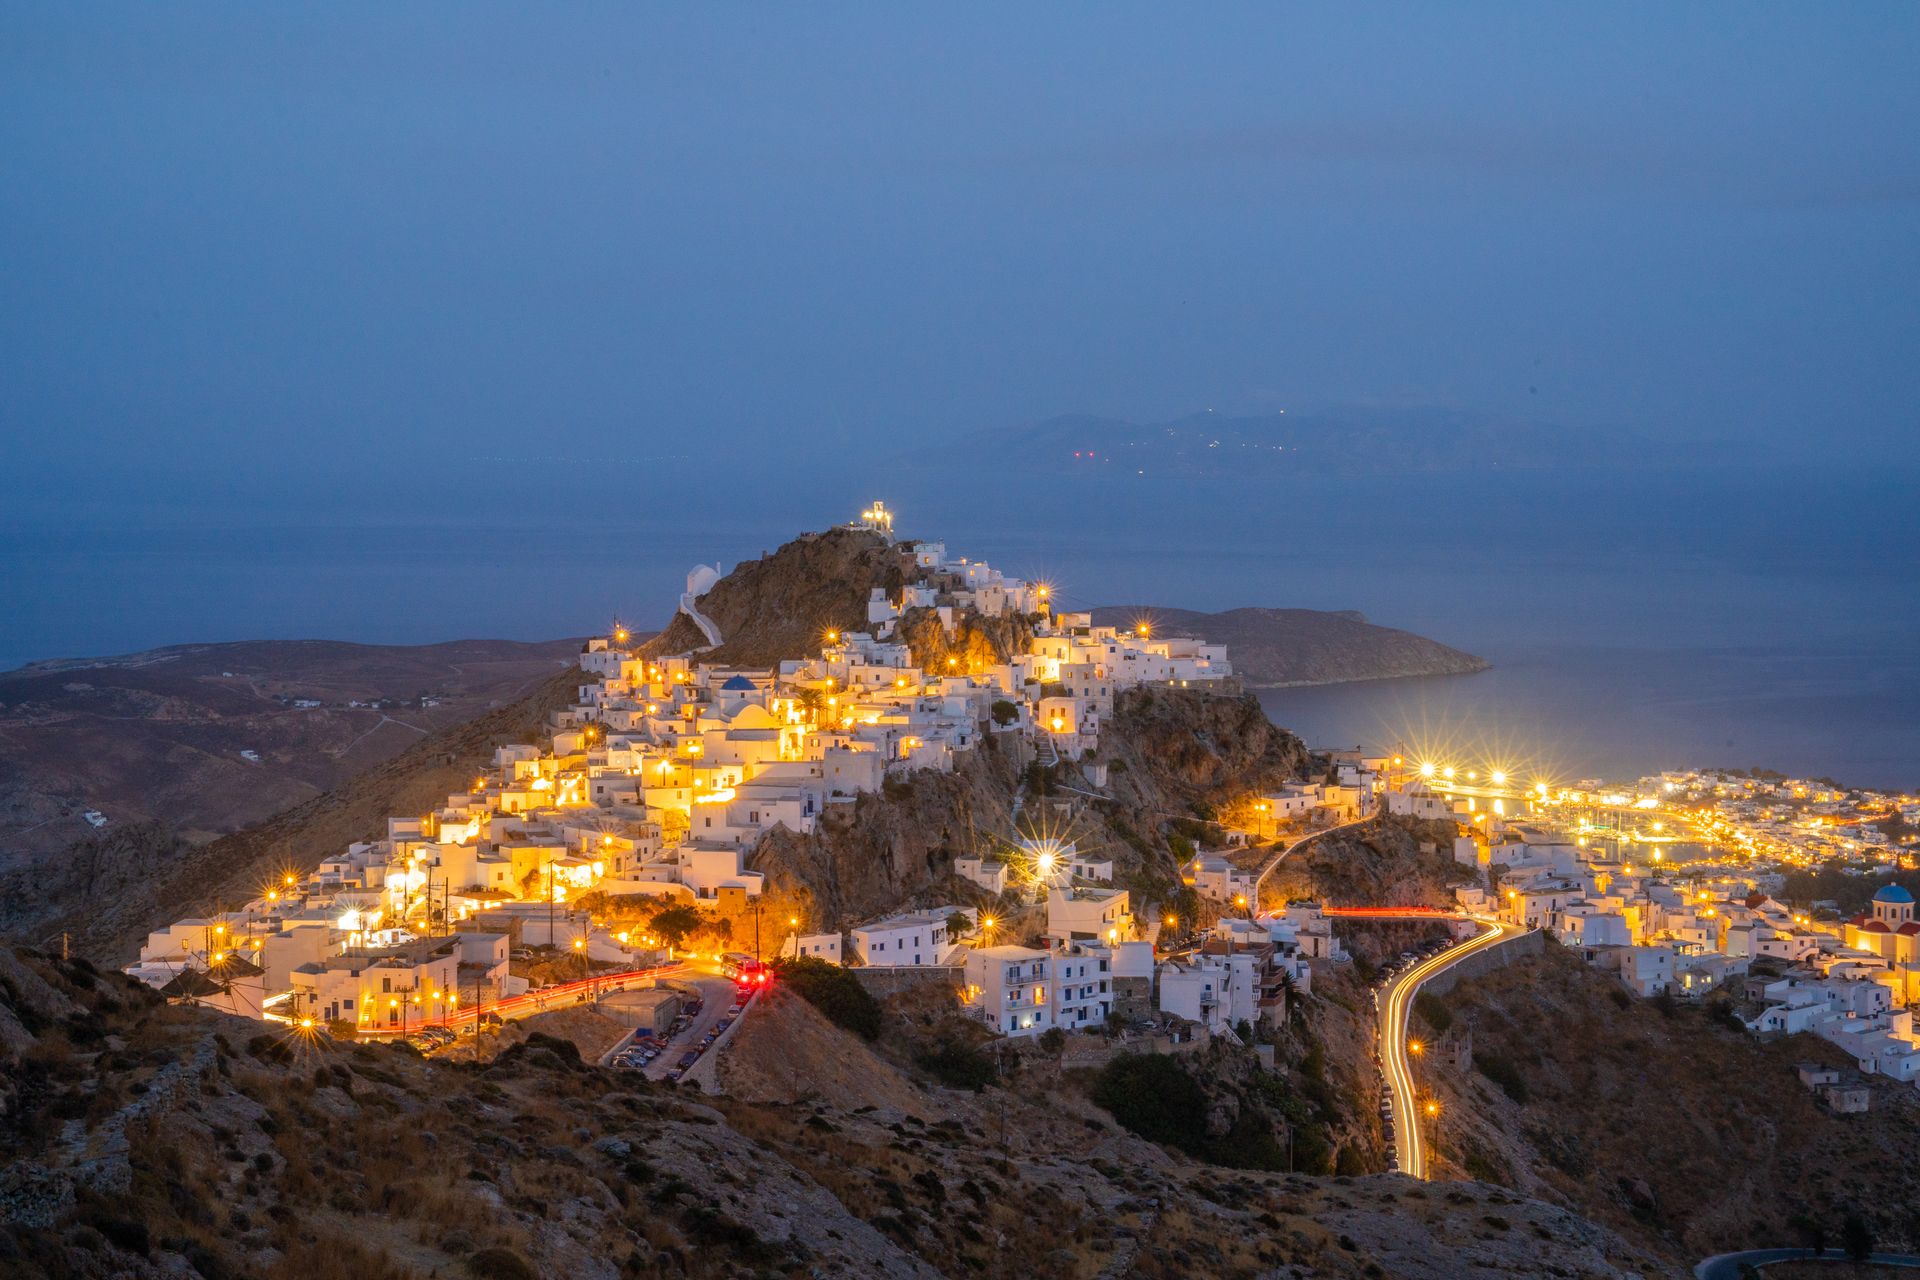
pixel 239 239
pixel 341 320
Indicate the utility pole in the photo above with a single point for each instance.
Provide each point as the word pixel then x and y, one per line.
pixel 66 947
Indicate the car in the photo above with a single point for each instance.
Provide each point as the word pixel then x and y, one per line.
pixel 687 1060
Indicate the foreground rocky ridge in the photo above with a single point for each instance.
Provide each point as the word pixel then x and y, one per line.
pixel 143 1140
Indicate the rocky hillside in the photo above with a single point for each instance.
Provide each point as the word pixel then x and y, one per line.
pixel 160 736
pixel 1175 758
pixel 781 605
pixel 1274 648
pixel 1385 862
pixel 1662 1121
pixel 109 891
pixel 142 1140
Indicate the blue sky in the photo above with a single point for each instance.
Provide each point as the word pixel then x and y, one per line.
pixel 243 236
pixel 366 268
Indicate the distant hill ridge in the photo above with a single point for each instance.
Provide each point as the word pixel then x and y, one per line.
pixel 1339 439
pixel 1276 648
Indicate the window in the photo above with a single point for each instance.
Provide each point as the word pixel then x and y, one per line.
pixel 386 984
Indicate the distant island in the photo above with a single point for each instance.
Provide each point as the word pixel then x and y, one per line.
pixel 1335 440
pixel 1279 648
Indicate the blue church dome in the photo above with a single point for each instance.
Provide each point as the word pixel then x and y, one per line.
pixel 740 684
pixel 1893 893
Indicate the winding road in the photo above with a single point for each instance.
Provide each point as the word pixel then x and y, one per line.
pixel 1731 1266
pixel 1396 1003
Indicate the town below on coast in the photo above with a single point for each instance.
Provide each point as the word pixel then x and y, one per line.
pixel 868 787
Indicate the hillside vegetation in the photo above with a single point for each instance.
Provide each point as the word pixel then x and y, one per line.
pixel 143 1140
pixel 109 892
pixel 158 736
pixel 1661 1120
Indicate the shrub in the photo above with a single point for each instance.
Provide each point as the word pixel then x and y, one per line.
pixel 1153 1096
pixel 1004 712
pixel 500 1264
pixel 958 1065
pixel 1433 1011
pixel 1503 1073
pixel 835 992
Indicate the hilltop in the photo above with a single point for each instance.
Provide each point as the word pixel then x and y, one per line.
pixel 1275 648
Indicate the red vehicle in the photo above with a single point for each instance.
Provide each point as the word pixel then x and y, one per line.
pixel 751 975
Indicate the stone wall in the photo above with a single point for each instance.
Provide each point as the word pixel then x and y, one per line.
pixel 884 980
pixel 1497 956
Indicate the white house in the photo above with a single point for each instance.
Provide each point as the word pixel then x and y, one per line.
pixel 1009 988
pixel 913 938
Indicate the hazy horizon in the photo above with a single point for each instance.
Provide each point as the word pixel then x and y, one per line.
pixel 408 325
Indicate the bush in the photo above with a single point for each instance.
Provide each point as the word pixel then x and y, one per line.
pixel 1153 1096
pixel 500 1264
pixel 1503 1073
pixel 1004 712
pixel 1433 1011
pixel 835 992
pixel 958 1065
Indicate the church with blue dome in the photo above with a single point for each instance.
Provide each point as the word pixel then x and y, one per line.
pixel 1887 928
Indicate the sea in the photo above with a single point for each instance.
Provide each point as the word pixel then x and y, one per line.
pixel 1636 621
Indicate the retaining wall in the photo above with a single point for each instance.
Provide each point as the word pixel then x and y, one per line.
pixel 886 980
pixel 1497 956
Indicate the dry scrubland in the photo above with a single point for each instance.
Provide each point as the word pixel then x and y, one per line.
pixel 1662 1121
pixel 141 1140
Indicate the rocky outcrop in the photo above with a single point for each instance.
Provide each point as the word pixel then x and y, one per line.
pixel 1173 756
pixel 885 849
pixel 781 605
pixel 169 1142
pixel 1274 648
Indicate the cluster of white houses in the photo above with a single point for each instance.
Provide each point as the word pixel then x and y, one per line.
pixel 1850 983
pixel 658 780
pixel 1240 975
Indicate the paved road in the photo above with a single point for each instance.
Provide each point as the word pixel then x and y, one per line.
pixel 1396 1003
pixel 1727 1266
pixel 717 993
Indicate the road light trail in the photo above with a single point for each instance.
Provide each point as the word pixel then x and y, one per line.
pixel 1396 1002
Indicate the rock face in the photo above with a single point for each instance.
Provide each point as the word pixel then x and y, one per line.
pixel 1274 648
pixel 1171 754
pixel 161 1142
pixel 780 605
